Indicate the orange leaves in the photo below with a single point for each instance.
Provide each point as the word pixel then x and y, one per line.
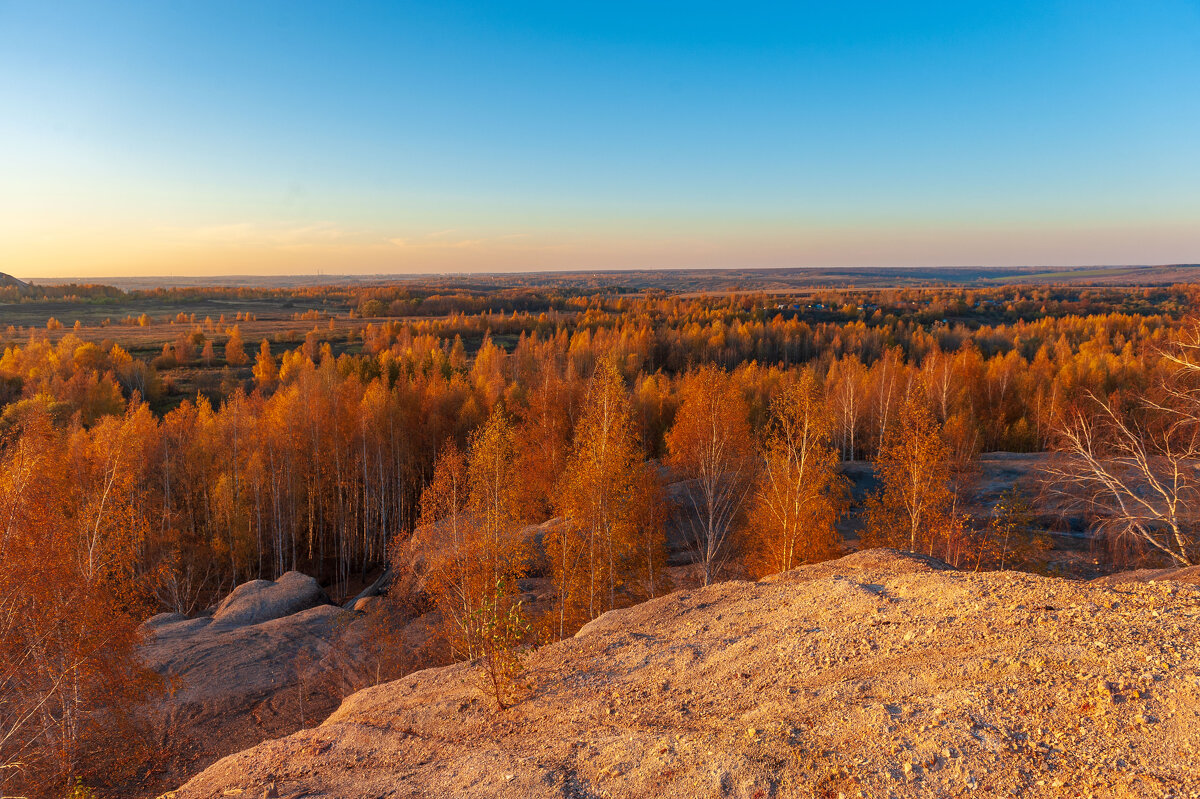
pixel 914 508
pixel 445 496
pixel 799 493
pixel 492 481
pixel 69 596
pixel 108 464
pixel 710 447
pixel 470 535
pixel 235 351
pixel 544 433
pixel 608 551
pixel 711 433
pixel 486 372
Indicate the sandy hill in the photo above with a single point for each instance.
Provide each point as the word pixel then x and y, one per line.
pixel 8 281
pixel 880 674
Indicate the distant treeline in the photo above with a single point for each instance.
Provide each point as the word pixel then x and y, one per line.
pixel 440 298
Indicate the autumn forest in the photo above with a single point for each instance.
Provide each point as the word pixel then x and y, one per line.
pixel 614 444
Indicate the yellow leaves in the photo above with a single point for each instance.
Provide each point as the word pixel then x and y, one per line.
pixel 294 362
pixel 265 372
pixel 492 493
pixel 88 356
pixel 603 495
pixel 235 352
pixel 799 493
pixel 914 507
pixel 119 357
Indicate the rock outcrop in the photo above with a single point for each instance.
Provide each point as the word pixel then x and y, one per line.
pixel 263 600
pixel 247 672
pixel 880 674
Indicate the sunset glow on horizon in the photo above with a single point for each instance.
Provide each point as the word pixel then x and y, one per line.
pixel 277 138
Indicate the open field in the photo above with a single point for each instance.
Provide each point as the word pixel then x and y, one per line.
pixel 93 313
pixel 699 280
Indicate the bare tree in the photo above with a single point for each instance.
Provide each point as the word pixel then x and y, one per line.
pixel 1136 472
pixel 1139 486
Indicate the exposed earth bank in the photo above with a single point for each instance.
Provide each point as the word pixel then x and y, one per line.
pixel 879 674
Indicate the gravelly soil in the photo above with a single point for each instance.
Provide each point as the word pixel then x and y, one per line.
pixel 880 674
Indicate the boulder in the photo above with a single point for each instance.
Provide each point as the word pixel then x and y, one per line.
pixel 160 620
pixel 262 600
pixel 432 543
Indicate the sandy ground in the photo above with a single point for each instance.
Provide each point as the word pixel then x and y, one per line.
pixel 880 674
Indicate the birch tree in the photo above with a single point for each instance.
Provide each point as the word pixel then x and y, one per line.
pixel 799 493
pixel 709 446
pixel 596 553
pixel 915 505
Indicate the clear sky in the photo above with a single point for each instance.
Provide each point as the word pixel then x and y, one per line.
pixel 212 137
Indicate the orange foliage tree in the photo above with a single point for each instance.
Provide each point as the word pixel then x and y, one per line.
pixel 449 540
pixel 70 683
pixel 799 494
pixel 914 508
pixel 470 536
pixel 606 497
pixel 235 349
pixel 265 371
pixel 710 447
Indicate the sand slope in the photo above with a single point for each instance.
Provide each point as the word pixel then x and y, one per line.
pixel 880 674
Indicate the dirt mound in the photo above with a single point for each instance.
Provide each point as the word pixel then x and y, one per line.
pixel 1188 574
pixel 876 675
pixel 867 563
pixel 8 281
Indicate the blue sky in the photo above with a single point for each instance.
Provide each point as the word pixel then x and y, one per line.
pixel 233 137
